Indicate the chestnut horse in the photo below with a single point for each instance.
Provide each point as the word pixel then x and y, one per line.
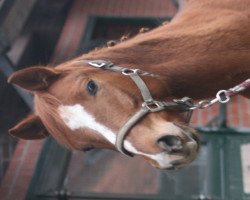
pixel 205 48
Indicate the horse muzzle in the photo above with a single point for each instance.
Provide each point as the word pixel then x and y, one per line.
pixel 182 150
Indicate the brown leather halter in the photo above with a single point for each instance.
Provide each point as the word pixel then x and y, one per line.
pixel 149 103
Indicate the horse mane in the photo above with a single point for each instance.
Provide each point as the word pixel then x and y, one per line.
pixel 46 106
pixel 127 49
pixel 125 37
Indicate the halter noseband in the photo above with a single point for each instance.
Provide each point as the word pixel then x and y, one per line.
pixel 149 104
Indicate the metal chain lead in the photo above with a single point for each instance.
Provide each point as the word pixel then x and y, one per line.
pixel 222 96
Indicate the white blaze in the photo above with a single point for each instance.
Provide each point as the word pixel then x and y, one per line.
pixel 76 117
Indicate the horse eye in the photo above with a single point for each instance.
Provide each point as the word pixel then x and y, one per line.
pixel 92 88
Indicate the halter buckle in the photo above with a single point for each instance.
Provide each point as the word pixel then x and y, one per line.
pixel 153 106
pixel 99 63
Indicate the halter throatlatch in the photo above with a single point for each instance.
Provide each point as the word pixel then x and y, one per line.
pixel 149 103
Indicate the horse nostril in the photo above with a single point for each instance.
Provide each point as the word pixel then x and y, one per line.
pixel 170 143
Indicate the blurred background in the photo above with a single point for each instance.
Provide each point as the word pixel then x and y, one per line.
pixel 43 32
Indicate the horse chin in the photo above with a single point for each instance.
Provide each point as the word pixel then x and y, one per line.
pixel 172 165
pixel 177 161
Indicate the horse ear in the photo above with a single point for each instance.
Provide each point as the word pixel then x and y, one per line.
pixel 30 128
pixel 34 78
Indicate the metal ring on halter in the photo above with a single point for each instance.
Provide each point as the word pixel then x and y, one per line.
pixel 128 72
pixel 219 96
pixel 153 106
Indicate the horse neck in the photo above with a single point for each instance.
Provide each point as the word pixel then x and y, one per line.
pixel 187 51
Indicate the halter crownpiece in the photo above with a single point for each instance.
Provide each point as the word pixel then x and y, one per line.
pixel 149 103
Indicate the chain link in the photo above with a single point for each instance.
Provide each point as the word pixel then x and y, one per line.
pixel 222 96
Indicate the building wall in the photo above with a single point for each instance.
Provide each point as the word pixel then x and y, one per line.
pixel 20 171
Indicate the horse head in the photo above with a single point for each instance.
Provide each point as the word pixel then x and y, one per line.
pixel 84 108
